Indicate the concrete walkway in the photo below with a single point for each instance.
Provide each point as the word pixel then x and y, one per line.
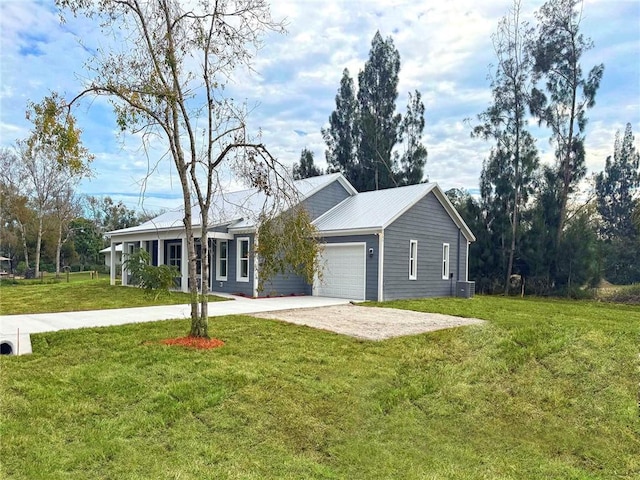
pixel 50 322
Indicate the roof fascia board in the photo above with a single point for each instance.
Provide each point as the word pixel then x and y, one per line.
pixel 242 230
pixel 349 231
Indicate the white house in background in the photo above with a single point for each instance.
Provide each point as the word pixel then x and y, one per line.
pixel 404 242
pixel 107 256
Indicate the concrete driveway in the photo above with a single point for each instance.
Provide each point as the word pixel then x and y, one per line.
pixel 50 322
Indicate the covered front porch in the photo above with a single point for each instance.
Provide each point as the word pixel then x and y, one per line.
pixel 165 248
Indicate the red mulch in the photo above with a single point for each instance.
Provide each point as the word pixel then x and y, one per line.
pixel 195 342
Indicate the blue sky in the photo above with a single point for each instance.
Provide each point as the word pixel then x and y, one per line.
pixel 445 50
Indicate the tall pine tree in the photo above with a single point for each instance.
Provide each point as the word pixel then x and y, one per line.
pixel 414 158
pixel 340 137
pixel 378 122
pixel 617 206
pixel 562 103
pixel 306 168
pixel 365 131
pixel 615 188
pixel 505 122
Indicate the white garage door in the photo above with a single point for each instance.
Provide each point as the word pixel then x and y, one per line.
pixel 343 274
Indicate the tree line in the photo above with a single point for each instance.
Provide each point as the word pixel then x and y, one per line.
pixel 46 224
pixel 532 224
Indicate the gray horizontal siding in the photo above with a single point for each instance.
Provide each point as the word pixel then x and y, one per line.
pixel 429 224
pixel 289 284
pixel 371 289
pixel 325 199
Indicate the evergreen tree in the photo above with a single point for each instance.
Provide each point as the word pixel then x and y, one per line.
pixel 414 157
pixel 378 123
pixel 516 159
pixel 306 168
pixel 563 101
pixel 615 188
pixel 340 137
pixel 577 265
pixel 364 130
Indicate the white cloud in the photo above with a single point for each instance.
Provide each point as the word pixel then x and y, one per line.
pixel 445 50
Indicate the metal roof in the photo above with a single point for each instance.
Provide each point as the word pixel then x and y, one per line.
pixel 372 210
pixel 376 210
pixel 237 209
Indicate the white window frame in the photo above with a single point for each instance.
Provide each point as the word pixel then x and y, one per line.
pixel 413 259
pixel 445 261
pixel 219 260
pixel 239 259
pixel 174 261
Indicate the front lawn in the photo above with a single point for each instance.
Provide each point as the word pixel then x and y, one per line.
pixel 545 389
pixel 80 295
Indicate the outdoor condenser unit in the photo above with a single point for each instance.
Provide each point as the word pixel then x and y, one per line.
pixel 465 289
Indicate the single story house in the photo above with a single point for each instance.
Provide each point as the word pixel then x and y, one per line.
pixel 107 255
pixel 403 242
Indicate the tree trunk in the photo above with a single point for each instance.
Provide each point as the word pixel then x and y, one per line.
pixel 58 250
pixel 38 245
pixel 514 228
pixel 568 167
pixel 514 218
pixel 23 235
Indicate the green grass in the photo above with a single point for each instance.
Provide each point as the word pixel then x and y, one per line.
pixel 544 390
pixel 80 295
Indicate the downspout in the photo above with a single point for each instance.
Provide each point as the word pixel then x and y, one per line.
pixel 112 263
pixel 458 259
pixel 381 266
pixel 256 262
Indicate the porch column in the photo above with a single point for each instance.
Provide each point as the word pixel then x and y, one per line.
pixel 112 264
pixel 160 252
pixel 212 259
pixel 184 266
pixel 253 254
pixel 125 255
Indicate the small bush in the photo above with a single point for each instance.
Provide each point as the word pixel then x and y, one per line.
pixel 20 269
pixel 153 279
pixel 576 293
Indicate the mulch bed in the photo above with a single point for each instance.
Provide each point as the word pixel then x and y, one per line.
pixel 195 342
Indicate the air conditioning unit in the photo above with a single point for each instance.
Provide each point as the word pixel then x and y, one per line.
pixel 465 289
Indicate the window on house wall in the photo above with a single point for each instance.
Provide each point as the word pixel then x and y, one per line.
pixel 223 258
pixel 242 272
pixel 413 260
pixel 445 261
pixel 174 255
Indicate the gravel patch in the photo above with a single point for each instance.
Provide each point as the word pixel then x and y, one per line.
pixel 369 323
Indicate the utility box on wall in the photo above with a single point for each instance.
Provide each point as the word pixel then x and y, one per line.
pixel 465 289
